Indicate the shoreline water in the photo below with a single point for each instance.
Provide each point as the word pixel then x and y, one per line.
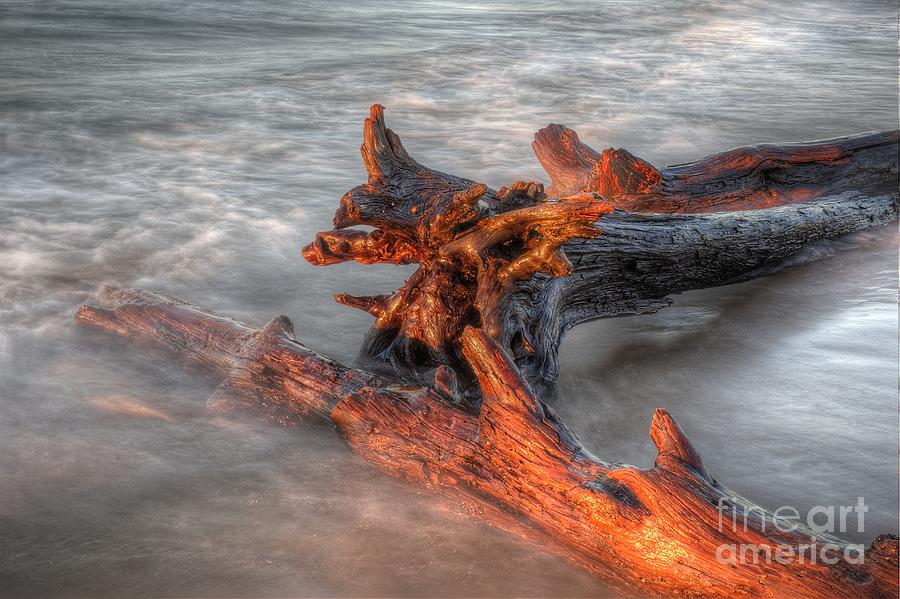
pixel 193 149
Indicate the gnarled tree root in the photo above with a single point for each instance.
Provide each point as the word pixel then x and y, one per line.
pixel 650 532
pixel 525 267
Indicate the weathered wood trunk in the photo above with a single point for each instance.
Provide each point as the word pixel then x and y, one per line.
pixel 641 259
pixel 746 178
pixel 502 275
pixel 669 530
pixel 522 267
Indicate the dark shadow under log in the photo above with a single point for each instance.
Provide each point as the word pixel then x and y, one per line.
pixel 658 531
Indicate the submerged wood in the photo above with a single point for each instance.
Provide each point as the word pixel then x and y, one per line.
pixel 655 531
pixel 524 266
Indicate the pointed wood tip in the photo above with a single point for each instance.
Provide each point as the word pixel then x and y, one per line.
pixel 564 158
pixel 672 443
pixel 374 145
pixel 563 142
pixel 382 151
pixel 280 326
pixel 376 305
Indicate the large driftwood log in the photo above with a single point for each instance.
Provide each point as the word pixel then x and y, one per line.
pixel 502 275
pixel 658 531
pixel 750 177
pixel 511 263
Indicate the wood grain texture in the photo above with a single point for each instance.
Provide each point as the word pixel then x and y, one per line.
pixel 517 262
pixel 641 259
pixel 745 178
pixel 472 340
pixel 649 532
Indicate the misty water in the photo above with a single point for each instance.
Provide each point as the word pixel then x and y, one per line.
pixel 193 148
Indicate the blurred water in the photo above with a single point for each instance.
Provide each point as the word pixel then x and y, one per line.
pixel 192 148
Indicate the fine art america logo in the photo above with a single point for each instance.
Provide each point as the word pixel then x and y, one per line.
pixel 820 522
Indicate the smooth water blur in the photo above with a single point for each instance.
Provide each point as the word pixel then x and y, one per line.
pixel 192 148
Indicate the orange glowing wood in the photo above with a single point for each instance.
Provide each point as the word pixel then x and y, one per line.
pixel 647 532
pixel 751 177
pixel 502 274
pixel 525 267
pixel 473 246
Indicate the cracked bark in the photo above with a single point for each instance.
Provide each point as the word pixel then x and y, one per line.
pixel 502 275
pixel 667 234
pixel 649 532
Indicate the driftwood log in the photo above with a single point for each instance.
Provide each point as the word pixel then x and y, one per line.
pixel 746 178
pixel 502 275
pixel 655 532
pixel 509 262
